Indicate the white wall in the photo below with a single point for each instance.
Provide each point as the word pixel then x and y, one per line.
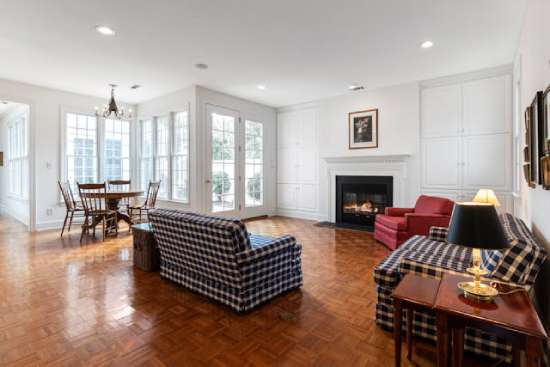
pixel 533 56
pixel 15 207
pixel 198 98
pixel 533 66
pixel 398 124
pixel 45 127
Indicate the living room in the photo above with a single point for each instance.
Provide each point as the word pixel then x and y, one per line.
pixel 328 145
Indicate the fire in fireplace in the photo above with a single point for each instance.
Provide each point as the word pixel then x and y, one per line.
pixel 360 198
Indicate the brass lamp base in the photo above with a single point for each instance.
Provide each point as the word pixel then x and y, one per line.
pixel 482 292
pixel 477 290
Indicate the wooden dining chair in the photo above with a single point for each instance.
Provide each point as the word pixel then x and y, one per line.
pixel 71 205
pixel 121 185
pixel 94 200
pixel 137 211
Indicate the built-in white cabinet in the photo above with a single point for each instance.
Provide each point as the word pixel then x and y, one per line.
pixel 440 108
pixel 297 161
pixel 487 162
pixel 466 139
pixel 487 106
pixel 441 162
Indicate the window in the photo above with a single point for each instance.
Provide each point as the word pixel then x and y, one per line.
pixel 17 161
pixel 117 149
pixel 81 149
pixel 95 149
pixel 223 163
pixel 146 162
pixel 164 155
pixel 253 164
pixel 180 158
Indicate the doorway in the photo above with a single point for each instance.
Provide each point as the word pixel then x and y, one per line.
pixel 235 164
pixel 15 162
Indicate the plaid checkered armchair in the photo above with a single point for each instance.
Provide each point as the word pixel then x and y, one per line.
pixel 432 256
pixel 218 258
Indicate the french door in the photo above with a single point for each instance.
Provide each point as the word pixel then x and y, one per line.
pixel 235 169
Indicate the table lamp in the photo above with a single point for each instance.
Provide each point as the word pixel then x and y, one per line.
pixel 486 196
pixel 477 226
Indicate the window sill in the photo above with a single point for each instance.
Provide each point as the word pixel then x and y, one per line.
pixel 173 201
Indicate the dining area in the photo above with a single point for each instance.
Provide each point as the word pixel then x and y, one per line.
pixel 104 206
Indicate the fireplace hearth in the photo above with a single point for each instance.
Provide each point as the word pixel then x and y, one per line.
pixel 360 198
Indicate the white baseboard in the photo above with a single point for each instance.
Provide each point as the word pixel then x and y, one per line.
pixel 301 214
pixel 56 224
pixel 14 215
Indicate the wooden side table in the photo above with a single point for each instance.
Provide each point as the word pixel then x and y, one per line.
pixel 511 316
pixel 414 293
pixel 146 252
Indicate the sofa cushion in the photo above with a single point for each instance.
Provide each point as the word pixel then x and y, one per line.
pixel 433 205
pixel 397 223
pixel 519 263
pixel 438 233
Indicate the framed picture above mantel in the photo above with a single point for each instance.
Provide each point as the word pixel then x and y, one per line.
pixel 363 129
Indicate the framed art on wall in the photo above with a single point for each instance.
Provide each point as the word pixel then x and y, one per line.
pixel 528 150
pixel 363 129
pixel 546 121
pixel 537 142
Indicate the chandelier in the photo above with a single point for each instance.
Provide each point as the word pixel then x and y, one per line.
pixel 111 110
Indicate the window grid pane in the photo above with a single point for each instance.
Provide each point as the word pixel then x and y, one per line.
pixel 223 163
pixel 81 149
pixel 253 164
pixel 146 165
pixel 180 158
pixel 162 155
pixel 117 149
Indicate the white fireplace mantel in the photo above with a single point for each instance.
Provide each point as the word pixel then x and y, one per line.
pixel 376 165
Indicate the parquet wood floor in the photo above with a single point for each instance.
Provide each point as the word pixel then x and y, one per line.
pixel 66 304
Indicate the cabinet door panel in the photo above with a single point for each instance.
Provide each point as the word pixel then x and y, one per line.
pixel 440 162
pixel 307 167
pixel 287 165
pixel 307 197
pixel 487 106
pixel 309 131
pixel 286 196
pixel 288 129
pixel 440 109
pixel 487 162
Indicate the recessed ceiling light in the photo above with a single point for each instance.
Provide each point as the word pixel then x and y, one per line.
pixel 355 87
pixel 427 44
pixel 201 66
pixel 261 87
pixel 105 30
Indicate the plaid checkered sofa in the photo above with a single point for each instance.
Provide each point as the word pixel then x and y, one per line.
pixel 432 256
pixel 218 258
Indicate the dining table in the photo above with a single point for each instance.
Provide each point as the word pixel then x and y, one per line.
pixel 113 199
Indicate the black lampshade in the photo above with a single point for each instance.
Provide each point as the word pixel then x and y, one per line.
pixel 477 226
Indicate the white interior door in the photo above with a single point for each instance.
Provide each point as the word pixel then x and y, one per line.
pixel 223 169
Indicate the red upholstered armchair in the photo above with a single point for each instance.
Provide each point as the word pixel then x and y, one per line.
pixel 399 224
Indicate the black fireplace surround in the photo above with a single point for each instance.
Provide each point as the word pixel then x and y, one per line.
pixel 360 198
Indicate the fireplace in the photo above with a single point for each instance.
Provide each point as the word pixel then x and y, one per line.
pixel 360 198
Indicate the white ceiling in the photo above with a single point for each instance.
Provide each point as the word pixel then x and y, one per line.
pixel 301 50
